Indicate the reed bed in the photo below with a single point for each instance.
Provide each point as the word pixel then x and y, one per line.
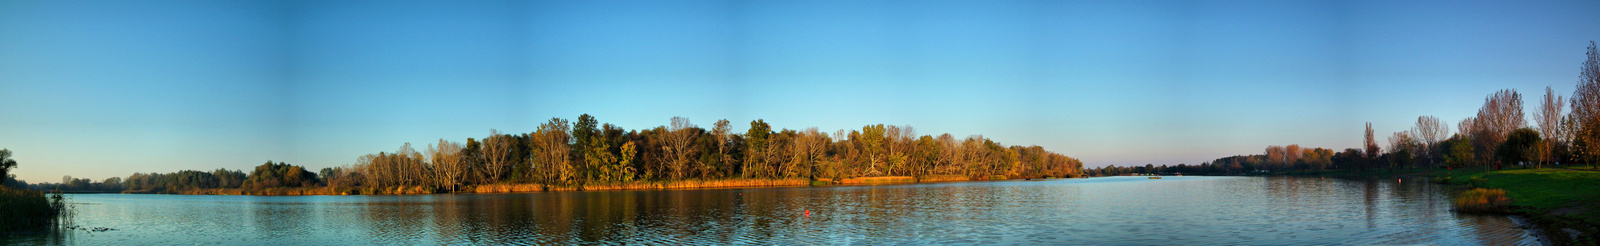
pixel 22 209
pixel 943 178
pixel 879 180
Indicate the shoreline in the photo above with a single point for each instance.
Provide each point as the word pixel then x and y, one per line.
pixel 534 188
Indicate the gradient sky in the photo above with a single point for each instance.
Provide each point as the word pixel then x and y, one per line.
pixel 97 89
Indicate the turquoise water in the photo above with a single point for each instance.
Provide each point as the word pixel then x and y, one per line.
pixel 1098 211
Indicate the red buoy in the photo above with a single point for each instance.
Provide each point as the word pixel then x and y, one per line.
pixel 808 213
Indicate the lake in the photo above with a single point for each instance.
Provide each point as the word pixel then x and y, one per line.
pixel 1098 211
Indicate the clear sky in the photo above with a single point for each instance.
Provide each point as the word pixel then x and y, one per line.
pixel 97 89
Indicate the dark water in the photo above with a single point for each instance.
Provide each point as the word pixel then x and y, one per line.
pixel 1099 211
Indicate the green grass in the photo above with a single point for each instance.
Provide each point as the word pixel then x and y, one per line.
pixel 1546 188
pixel 1581 167
pixel 1557 197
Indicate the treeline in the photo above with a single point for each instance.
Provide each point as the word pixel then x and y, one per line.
pixel 184 180
pixel 1276 158
pixel 1498 136
pixel 560 153
pixel 69 184
pixel 563 154
pixel 267 175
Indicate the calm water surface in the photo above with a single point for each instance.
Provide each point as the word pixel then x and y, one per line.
pixel 1116 211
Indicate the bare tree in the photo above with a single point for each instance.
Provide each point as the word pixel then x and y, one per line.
pixel 448 165
pixel 815 146
pixel 1549 119
pixel 777 156
pixel 1428 132
pixel 974 156
pixel 680 143
pixel 408 163
pixel 949 153
pixel 1501 113
pixel 904 139
pixel 496 155
pixel 890 142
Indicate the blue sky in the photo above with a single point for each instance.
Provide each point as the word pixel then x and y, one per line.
pixel 97 89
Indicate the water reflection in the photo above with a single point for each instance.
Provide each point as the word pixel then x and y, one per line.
pixel 1120 210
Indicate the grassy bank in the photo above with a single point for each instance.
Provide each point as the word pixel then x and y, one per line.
pixel 27 209
pixel 1565 202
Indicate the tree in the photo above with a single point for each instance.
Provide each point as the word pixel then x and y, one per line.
pixel 949 155
pixel 1401 148
pixel 1501 114
pixel 1428 132
pixel 448 163
pixel 722 132
pixel 550 148
pixel 927 154
pixel 1519 146
pixel 1371 148
pixel 6 164
pixel 1459 152
pixel 897 141
pixel 1548 117
pixel 497 156
pixel 270 175
pixel 623 170
pixel 587 144
pixel 1586 107
pixel 472 161
pixel 680 142
pixel 872 138
pixel 809 148
pixel 1291 154
pixel 1472 130
pixel 600 164
pixel 1275 156
pixel 756 147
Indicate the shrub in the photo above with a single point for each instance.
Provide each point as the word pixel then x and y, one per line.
pixel 1480 200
